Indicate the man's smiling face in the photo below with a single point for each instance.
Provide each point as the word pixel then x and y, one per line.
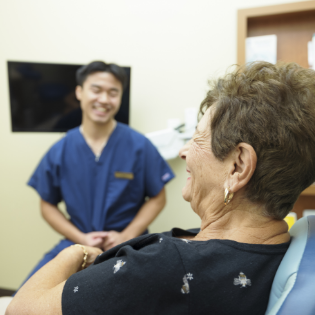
pixel 100 97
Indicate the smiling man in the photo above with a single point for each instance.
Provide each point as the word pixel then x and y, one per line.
pixel 110 177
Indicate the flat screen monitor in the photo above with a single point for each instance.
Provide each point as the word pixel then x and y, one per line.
pixel 42 97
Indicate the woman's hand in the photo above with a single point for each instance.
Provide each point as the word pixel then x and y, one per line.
pixel 93 252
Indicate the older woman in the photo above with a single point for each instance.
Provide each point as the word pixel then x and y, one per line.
pixel 252 154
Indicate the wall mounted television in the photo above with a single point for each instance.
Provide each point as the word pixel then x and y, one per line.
pixel 42 97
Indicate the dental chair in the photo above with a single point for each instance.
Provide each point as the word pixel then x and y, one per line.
pixel 293 288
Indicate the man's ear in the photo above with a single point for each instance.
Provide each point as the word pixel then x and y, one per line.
pixel 78 92
pixel 243 162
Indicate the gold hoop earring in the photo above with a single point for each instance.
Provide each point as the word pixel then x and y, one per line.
pixel 227 196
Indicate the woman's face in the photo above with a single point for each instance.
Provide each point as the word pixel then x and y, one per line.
pixel 206 173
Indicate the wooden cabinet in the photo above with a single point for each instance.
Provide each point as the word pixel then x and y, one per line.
pixel 294 25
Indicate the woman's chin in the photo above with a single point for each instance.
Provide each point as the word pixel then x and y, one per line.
pixel 186 194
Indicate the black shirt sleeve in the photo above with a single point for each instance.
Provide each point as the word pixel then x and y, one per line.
pixel 138 278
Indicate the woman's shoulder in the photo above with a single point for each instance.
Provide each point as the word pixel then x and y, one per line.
pixel 157 273
pixel 132 276
pixel 181 233
pixel 149 243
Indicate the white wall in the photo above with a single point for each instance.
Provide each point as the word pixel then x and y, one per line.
pixel 173 47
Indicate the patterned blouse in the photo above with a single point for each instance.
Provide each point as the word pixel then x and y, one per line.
pixel 163 274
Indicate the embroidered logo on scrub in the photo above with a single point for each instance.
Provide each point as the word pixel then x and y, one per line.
pixel 124 175
pixel 118 265
pixel 166 176
pixel 242 280
pixel 76 289
pixel 185 286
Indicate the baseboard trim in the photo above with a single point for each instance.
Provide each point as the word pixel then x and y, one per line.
pixel 6 292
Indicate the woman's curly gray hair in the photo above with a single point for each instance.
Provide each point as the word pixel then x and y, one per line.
pixel 272 108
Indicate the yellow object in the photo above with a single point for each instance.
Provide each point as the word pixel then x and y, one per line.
pixel 290 219
pixel 85 254
pixel 227 196
pixel 124 175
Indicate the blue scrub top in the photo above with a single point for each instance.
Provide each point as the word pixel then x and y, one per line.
pixel 105 193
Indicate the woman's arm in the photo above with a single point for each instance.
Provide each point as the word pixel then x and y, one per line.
pixel 41 294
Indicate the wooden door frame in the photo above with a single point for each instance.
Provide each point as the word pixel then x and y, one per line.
pixel 244 14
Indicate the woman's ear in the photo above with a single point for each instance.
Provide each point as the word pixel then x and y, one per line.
pixel 243 162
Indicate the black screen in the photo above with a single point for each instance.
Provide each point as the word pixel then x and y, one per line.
pixel 42 97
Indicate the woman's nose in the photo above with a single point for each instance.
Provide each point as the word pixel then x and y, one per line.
pixel 183 151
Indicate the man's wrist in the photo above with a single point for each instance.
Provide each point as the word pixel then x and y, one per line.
pixel 80 238
pixel 128 234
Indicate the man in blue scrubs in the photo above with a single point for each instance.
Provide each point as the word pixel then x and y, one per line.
pixel 110 177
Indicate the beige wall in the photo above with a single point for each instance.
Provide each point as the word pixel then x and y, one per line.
pixel 173 47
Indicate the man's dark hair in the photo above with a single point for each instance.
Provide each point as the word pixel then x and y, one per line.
pixel 272 108
pixel 100 66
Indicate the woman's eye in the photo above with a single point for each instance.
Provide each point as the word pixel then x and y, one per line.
pixel 197 139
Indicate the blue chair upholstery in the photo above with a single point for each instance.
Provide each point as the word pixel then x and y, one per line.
pixel 293 288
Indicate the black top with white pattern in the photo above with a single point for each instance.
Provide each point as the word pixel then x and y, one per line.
pixel 162 274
